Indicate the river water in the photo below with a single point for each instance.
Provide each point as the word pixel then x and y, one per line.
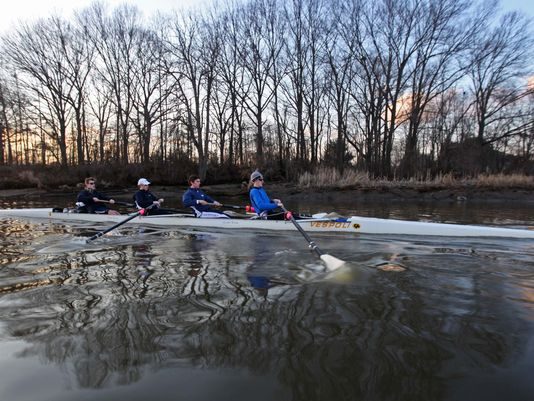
pixel 167 314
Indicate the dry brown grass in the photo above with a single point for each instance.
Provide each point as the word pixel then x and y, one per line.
pixel 326 178
pixel 505 181
pixel 331 178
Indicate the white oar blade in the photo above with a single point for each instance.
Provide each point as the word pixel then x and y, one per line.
pixel 331 262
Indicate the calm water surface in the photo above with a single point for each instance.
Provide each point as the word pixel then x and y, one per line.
pixel 162 314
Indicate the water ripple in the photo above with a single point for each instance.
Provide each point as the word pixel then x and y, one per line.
pixel 117 313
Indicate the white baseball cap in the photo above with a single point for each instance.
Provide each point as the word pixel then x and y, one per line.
pixel 143 181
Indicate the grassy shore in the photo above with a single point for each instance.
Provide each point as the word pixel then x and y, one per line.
pixel 323 183
pixel 332 179
pixel 356 185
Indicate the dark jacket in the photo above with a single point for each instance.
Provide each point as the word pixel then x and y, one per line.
pixel 144 199
pixel 192 195
pixel 86 197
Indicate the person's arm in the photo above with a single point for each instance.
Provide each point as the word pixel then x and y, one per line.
pixel 88 198
pixel 102 197
pixel 261 201
pixel 209 199
pixel 159 201
pixel 154 199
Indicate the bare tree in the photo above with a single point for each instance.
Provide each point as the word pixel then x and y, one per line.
pixel 302 60
pixel 231 74
pixel 114 39
pixel 368 108
pixel 499 65
pixel 296 57
pixel 5 126
pixel 339 61
pixel 443 36
pixel 525 138
pixel 262 45
pixel 195 50
pixel 390 44
pixel 381 85
pixel 100 105
pixel 79 54
pixel 151 90
pixel 36 51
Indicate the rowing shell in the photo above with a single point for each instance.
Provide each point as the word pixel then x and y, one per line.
pixel 353 225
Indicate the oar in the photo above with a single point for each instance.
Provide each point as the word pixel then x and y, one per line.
pixel 117 203
pixel 225 205
pixel 179 211
pixel 133 216
pixel 234 206
pixel 124 204
pixel 331 262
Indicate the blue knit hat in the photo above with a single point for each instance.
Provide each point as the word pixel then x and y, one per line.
pixel 255 175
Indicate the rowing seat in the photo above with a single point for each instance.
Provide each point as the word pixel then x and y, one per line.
pixel 209 215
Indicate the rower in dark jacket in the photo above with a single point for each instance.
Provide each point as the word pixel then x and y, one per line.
pixel 197 200
pixel 91 201
pixel 143 198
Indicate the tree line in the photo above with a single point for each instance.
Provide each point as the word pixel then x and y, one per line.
pixel 395 88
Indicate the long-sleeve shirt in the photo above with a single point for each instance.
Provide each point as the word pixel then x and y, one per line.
pixel 192 195
pixel 86 197
pixel 144 199
pixel 260 200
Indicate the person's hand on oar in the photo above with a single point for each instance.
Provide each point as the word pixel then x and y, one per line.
pixel 206 203
pixel 133 216
pixel 332 263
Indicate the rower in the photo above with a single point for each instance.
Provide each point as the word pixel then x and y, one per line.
pixel 143 198
pixel 91 201
pixel 262 204
pixel 197 200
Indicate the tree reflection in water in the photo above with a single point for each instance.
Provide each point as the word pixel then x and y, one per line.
pixel 112 312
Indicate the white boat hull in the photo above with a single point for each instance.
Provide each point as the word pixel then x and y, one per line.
pixel 353 225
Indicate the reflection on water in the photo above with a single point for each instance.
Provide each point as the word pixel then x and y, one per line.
pixel 226 315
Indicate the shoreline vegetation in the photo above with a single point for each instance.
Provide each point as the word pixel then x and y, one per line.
pixel 221 90
pixel 324 184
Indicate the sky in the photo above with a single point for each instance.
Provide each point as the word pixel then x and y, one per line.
pixel 12 11
pixel 527 6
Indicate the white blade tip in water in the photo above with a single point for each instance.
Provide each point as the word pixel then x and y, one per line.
pixel 331 262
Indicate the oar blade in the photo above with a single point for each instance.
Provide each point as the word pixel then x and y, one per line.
pixel 332 263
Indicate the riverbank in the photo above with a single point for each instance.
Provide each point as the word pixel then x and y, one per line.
pixel 323 184
pixel 288 192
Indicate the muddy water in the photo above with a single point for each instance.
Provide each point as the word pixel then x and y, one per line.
pixel 189 315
